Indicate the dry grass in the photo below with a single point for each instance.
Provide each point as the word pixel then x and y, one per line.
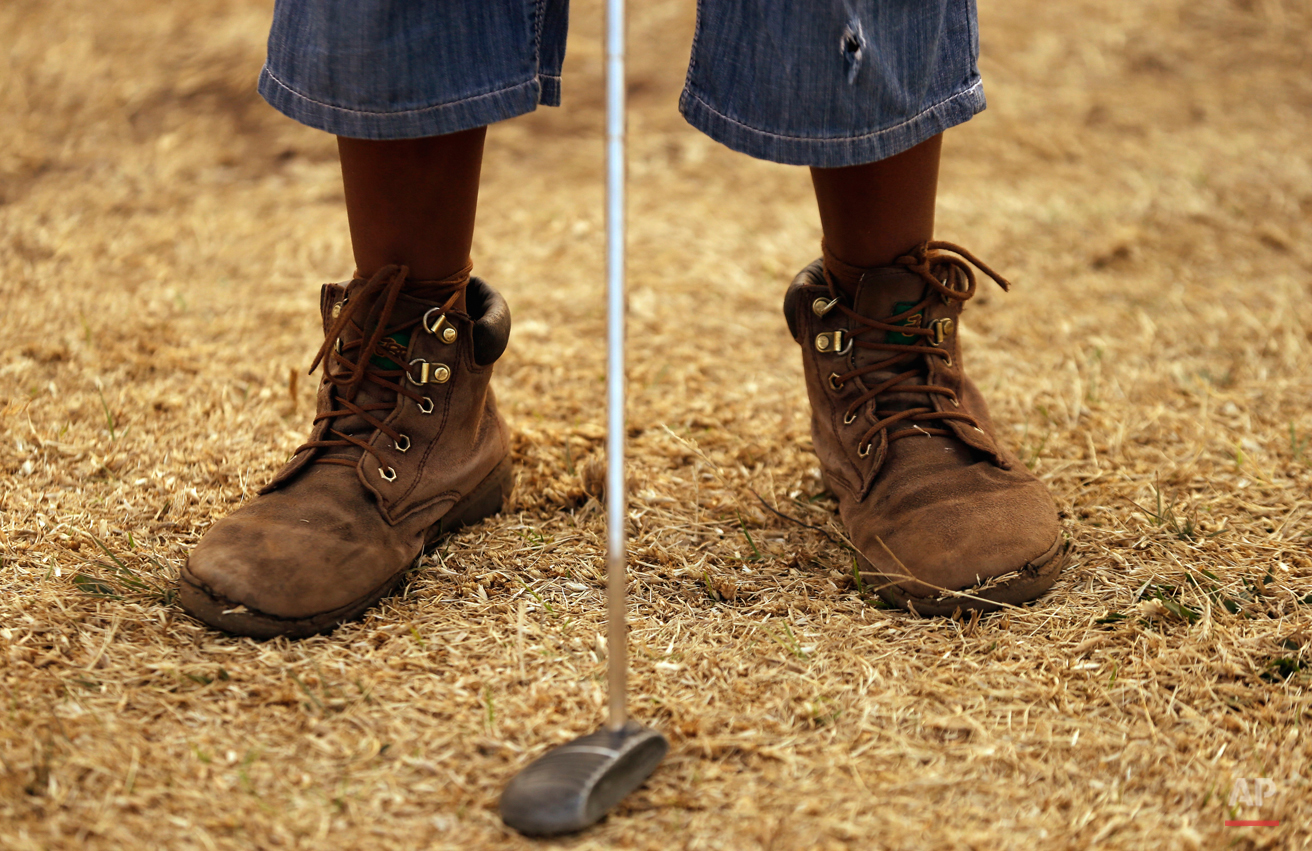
pixel 1142 173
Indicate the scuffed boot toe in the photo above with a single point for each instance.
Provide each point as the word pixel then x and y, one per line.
pixel 253 577
pixel 947 537
pixel 959 575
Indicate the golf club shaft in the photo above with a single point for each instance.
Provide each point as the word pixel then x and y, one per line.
pixel 616 498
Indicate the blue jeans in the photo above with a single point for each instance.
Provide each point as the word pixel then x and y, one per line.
pixel 806 82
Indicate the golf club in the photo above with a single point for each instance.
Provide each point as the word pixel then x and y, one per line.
pixel 572 786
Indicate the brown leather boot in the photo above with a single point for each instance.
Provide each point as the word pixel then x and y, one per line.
pixel 943 516
pixel 407 445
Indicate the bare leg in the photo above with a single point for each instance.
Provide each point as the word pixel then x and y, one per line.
pixel 873 213
pixel 412 201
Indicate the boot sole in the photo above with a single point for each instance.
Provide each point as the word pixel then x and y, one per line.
pixel 1034 579
pixel 486 499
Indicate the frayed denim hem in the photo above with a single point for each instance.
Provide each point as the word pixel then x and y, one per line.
pixel 833 152
pixel 436 120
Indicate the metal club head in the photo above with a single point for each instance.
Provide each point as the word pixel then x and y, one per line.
pixel 572 786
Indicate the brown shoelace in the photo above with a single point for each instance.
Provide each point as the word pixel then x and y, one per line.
pixel 386 286
pixel 929 262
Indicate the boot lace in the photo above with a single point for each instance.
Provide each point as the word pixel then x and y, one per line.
pixel 933 266
pixel 349 366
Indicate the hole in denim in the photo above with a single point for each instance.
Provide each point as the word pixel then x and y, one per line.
pixel 853 45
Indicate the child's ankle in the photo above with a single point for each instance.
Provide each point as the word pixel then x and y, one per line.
pixel 440 290
pixel 844 275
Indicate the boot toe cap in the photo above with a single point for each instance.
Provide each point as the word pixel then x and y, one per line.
pixel 933 542
pixel 290 571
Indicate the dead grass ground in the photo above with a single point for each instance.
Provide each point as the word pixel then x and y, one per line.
pixel 1142 173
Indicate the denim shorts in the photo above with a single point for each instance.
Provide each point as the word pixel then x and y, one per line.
pixel 819 82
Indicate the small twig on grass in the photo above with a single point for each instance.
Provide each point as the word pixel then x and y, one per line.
pixel 822 530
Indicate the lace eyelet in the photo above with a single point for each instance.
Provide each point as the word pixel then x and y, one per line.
pixel 426 406
pixel 821 306
pixel 431 325
pixel 849 417
pixel 864 449
pixel 834 382
pixel 429 373
pixel 387 473
pixel 833 342
pixel 402 444
pixel 940 330
pixel 439 328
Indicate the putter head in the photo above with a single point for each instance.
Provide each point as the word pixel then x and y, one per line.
pixel 572 786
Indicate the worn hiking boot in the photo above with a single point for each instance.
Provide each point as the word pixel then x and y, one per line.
pixel 407 445
pixel 943 516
